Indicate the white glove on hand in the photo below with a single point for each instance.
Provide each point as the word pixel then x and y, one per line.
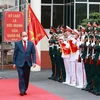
pixel 67 45
pixel 87 43
pixel 92 44
pixel 73 40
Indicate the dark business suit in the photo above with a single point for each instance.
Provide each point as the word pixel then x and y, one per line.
pixel 23 60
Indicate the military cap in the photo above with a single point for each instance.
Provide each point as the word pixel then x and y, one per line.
pixel 76 32
pixel 62 28
pixel 53 29
pixel 68 29
pixel 81 28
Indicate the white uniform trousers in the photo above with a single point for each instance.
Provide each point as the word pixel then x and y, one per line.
pixel 80 74
pixel 67 69
pixel 84 75
pixel 73 73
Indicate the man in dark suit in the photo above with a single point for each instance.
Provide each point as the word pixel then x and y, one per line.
pixel 24 57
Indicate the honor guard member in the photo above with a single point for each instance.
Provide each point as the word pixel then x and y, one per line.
pixel 51 51
pixel 86 59
pixel 66 55
pixel 96 89
pixel 89 28
pixel 91 62
pixel 57 54
pixel 82 39
pixel 62 67
pixel 83 56
pixel 95 67
pixel 82 32
pixel 94 28
pixel 79 64
pixel 73 48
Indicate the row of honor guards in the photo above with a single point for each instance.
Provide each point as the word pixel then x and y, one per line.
pixel 75 56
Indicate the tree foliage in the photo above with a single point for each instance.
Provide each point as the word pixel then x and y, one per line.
pixel 93 17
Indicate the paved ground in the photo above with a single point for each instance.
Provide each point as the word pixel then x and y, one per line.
pixel 41 80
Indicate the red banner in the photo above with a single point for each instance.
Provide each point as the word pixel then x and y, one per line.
pixel 13 25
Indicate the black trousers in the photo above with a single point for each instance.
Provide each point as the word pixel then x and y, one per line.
pixel 53 63
pixel 23 75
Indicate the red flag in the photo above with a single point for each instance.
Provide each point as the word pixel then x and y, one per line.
pixel 35 31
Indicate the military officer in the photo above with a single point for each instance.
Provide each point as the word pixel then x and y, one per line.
pixel 79 64
pixel 86 59
pixel 61 37
pixel 51 51
pixel 96 88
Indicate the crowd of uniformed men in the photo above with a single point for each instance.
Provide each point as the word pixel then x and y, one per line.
pixel 75 56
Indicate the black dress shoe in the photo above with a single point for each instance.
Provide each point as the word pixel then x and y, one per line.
pixel 56 79
pixel 61 80
pixel 90 90
pixel 22 93
pixel 51 78
pixel 83 88
pixel 97 93
pixel 25 93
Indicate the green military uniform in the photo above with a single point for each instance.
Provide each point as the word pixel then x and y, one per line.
pixel 84 53
pixel 91 63
pixel 87 65
pixel 62 73
pixel 57 58
pixel 52 56
pixel 96 89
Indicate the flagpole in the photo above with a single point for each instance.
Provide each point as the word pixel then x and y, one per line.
pixel 2 49
pixel 26 16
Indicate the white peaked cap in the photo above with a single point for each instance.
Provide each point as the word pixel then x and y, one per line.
pixel 76 32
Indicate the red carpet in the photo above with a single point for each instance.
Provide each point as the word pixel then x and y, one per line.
pixel 9 91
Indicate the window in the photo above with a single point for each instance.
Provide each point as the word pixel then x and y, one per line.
pixel 81 13
pixel 58 1
pixel 94 0
pixel 69 13
pixel 81 0
pixel 57 15
pixel 94 8
pixel 45 1
pixel 69 1
pixel 46 16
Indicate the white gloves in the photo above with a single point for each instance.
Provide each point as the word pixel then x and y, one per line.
pixel 87 43
pixel 73 40
pixel 67 44
pixel 92 44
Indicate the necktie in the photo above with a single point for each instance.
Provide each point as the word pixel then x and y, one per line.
pixel 24 45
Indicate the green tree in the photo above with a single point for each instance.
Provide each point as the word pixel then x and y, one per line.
pixel 93 17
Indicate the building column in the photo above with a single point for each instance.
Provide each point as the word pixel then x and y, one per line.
pixel 36 6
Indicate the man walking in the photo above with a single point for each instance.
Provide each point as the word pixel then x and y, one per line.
pixel 24 57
